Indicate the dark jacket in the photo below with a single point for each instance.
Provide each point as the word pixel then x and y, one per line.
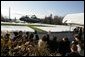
pixel 73 54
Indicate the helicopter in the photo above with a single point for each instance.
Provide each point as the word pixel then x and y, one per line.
pixel 32 19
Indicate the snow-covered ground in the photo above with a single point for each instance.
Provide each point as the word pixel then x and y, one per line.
pixel 45 27
pixel 57 28
pixel 16 28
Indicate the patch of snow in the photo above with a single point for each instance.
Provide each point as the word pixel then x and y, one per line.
pixel 16 28
pixel 57 28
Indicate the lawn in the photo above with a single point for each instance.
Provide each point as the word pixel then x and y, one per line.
pixel 33 26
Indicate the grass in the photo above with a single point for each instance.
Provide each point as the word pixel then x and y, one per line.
pixel 38 30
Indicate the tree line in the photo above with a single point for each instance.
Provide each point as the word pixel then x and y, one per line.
pixel 56 20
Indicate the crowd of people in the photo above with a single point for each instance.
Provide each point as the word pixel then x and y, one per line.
pixel 30 44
